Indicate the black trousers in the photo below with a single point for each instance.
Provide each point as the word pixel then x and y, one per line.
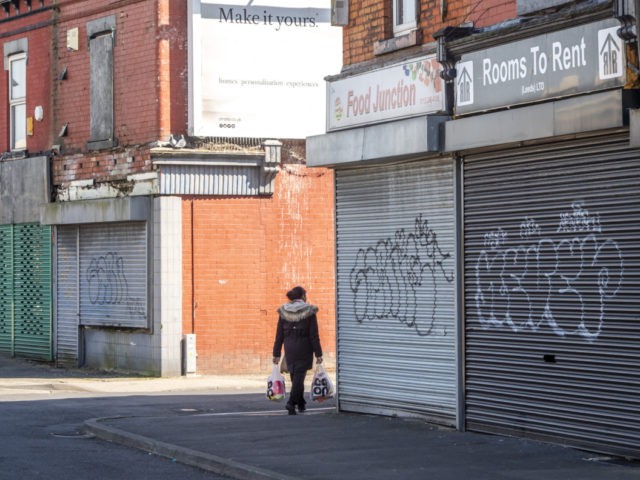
pixel 297 372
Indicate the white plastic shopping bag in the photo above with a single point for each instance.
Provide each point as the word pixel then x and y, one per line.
pixel 275 384
pixel 321 385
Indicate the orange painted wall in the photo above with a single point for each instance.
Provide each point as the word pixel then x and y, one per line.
pixel 241 255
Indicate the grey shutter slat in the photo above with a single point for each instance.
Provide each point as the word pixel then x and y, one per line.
pixel 67 308
pixel 6 288
pixel 395 277
pixel 113 275
pixel 552 275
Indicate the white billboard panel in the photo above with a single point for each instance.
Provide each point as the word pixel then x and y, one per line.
pixel 257 67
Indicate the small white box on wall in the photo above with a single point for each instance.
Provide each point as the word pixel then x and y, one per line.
pixel 189 354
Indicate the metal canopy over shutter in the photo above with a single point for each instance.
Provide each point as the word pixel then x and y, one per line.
pixel 552 282
pixel 396 327
pixel 210 180
pixel 113 274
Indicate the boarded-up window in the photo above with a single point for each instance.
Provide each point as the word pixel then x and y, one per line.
pixel 101 34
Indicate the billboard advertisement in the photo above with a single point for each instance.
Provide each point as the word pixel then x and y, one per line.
pixel 257 67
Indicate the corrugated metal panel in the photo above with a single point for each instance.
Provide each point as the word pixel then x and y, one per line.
pixel 209 180
pixel 552 283
pixel 32 291
pixel 395 284
pixel 67 304
pixel 6 289
pixel 113 274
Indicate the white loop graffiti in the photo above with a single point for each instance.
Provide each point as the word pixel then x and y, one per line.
pixel 384 278
pixel 563 282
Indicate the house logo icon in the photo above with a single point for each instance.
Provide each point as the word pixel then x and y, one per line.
pixel 610 54
pixel 464 84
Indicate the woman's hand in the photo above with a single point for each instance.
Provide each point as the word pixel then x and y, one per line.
pixel 276 360
pixel 318 360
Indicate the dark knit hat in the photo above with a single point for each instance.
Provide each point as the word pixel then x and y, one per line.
pixel 296 293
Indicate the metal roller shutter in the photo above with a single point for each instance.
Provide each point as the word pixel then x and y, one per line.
pixel 396 326
pixel 32 291
pixel 67 307
pixel 6 289
pixel 552 281
pixel 113 275
pixel 25 291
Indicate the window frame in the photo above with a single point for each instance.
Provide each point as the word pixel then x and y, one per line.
pixel 16 144
pixel 402 9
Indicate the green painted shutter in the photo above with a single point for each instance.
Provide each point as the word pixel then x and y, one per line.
pixel 25 291
pixel 32 291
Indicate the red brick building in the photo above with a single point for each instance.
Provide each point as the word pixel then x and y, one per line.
pixel 156 230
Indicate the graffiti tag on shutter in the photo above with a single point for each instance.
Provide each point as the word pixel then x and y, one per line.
pixel 563 281
pixel 386 277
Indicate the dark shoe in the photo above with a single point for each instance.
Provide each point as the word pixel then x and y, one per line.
pixel 302 408
pixel 291 409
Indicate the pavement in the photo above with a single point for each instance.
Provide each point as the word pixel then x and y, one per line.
pixel 321 443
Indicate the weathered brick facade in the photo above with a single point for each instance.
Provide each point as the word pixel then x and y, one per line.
pixel 370 22
pixel 38 29
pixel 240 253
pixel 149 86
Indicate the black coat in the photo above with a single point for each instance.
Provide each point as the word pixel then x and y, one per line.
pixel 298 331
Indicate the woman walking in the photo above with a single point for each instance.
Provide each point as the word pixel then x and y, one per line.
pixel 298 330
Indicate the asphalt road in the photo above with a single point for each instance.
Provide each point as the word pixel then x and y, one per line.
pixel 42 410
pixel 42 437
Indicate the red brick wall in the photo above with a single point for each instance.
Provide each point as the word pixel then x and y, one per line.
pixel 370 21
pixel 482 14
pixel 173 63
pixel 39 68
pixel 247 252
pixel 101 166
pixel 135 76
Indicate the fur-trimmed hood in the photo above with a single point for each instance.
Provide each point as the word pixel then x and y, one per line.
pixel 296 311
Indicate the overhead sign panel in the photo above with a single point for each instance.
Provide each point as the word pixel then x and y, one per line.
pixel 258 67
pixel 578 60
pixel 398 91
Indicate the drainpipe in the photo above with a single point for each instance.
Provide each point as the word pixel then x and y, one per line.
pixel 636 14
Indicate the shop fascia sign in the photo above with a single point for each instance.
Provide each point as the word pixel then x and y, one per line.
pixel 397 91
pixel 578 60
